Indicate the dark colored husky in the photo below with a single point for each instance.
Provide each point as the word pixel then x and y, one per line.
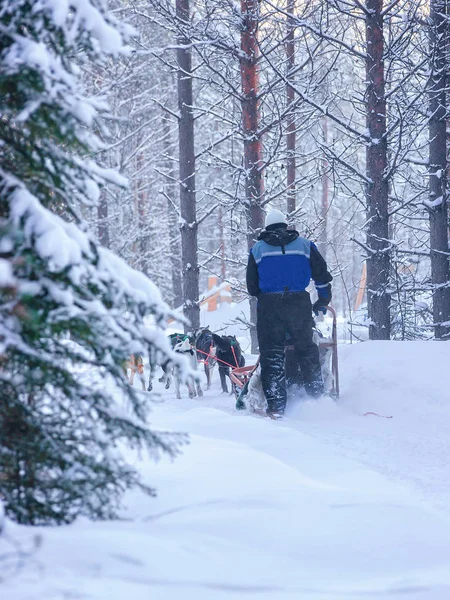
pixel 229 355
pixel 204 345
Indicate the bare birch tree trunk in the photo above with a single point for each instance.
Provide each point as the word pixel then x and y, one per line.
pixel 290 118
pixel 378 261
pixel 252 140
pixel 189 225
pixel 174 231
pixel 438 168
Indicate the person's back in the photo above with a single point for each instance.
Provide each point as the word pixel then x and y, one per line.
pixel 280 267
pixel 283 257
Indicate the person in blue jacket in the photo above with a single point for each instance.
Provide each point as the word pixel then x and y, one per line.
pixel 280 267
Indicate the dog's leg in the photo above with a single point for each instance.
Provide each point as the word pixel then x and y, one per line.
pixel 208 375
pixel 163 377
pixel 195 384
pixel 131 366
pixel 151 369
pixel 141 372
pixel 223 381
pixel 177 386
pixel 168 382
pixel 150 378
pixel 211 364
pixel 227 376
pixel 167 375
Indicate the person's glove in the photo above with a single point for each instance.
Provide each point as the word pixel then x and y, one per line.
pixel 320 305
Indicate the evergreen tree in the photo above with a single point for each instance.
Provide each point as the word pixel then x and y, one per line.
pixel 70 312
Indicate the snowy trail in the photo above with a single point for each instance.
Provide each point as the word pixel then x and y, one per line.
pixel 325 505
pixel 409 382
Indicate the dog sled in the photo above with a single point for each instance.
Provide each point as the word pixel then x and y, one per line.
pixel 245 384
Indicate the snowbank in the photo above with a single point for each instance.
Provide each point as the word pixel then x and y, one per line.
pixel 409 381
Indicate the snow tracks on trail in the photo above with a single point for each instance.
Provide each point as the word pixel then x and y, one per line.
pixel 409 381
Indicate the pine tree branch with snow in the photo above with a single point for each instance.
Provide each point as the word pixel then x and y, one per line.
pixel 71 313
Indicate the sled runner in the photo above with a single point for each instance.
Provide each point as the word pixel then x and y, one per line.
pixel 241 377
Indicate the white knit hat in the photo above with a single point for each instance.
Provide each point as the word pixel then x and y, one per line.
pixel 275 216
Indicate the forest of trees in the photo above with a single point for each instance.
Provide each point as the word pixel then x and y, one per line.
pixel 335 111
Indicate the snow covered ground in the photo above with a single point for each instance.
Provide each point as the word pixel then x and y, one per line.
pixel 327 504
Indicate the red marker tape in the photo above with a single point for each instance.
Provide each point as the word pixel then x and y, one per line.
pixel 377 415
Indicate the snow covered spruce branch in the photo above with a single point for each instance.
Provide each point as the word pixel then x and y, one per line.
pixel 71 312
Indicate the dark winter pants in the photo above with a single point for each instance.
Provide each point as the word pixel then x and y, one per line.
pixel 279 315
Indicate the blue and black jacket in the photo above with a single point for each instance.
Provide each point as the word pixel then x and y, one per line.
pixel 282 261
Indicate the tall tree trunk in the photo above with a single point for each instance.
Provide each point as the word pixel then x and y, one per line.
pixel 323 238
pixel 174 231
pixel 290 119
pixel 252 140
pixel 223 262
pixel 378 261
pixel 102 207
pixel 438 168
pixel 103 225
pixel 189 224
pixel 142 208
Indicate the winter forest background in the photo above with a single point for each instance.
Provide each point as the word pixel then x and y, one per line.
pixel 141 143
pixel 334 112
